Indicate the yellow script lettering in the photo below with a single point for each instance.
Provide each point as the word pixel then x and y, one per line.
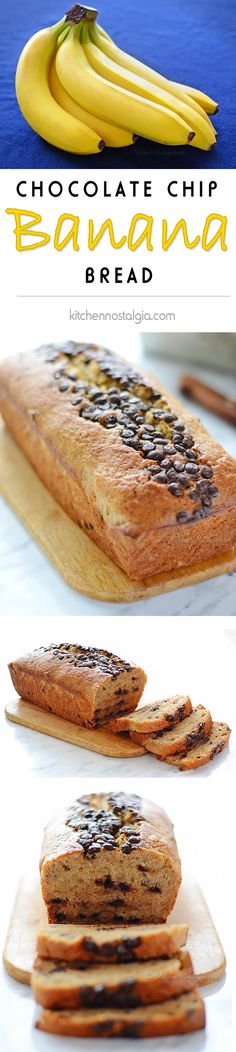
pixel 218 236
pixel 146 234
pixel 181 225
pixel 93 240
pixel 72 232
pixel 23 229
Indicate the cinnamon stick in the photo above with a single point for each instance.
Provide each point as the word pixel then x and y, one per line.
pixel 207 396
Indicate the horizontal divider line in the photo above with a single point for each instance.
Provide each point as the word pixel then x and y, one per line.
pixel 116 296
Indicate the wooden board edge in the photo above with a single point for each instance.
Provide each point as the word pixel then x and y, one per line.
pixel 30 722
pixel 20 975
pixel 213 976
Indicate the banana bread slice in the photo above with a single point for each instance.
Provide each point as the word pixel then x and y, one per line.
pixel 110 859
pixel 189 732
pixel 158 716
pixel 69 942
pixel 82 684
pixel 57 984
pixel 177 1015
pixel 201 754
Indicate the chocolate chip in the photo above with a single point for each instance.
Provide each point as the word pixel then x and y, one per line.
pixel 194 494
pixel 176 489
pixel 109 421
pixel 155 889
pixel 169 451
pixel 188 441
pixel 148 447
pixel 182 517
pixel 127 433
pixel 78 400
pixel 89 945
pixel 199 513
pixel 132 442
pixel 169 418
pixel 178 465
pixel 184 480
pixel 206 501
pixel 167 464
pixel 207 473
pixel 192 469
pixel 158 455
pixel 190 454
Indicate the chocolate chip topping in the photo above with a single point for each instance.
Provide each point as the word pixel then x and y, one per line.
pixel 114 825
pixel 90 658
pixel 106 391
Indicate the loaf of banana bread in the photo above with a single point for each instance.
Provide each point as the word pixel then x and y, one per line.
pixel 82 684
pixel 178 1015
pixel 56 984
pixel 110 859
pixel 125 460
pixel 72 942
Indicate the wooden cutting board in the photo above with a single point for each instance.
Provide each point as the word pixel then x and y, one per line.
pixel 98 740
pixel 77 558
pixel 29 912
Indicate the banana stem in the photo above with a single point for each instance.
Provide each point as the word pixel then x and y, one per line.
pixel 79 13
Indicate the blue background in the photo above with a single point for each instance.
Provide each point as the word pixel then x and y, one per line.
pixel 193 41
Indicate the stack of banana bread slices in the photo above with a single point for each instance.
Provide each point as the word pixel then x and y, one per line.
pixel 175 732
pixel 135 981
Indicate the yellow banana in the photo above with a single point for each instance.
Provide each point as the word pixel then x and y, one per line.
pixel 111 101
pixel 123 59
pixel 62 35
pixel 111 135
pixel 38 105
pixel 110 70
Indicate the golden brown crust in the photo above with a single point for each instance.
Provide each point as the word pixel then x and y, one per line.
pixel 57 985
pixel 116 945
pixel 189 732
pixel 178 1015
pixel 108 489
pixel 110 859
pixel 157 716
pixel 205 752
pixel 84 685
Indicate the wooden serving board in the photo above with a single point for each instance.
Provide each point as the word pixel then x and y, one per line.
pixel 97 740
pixel 77 558
pixel 29 912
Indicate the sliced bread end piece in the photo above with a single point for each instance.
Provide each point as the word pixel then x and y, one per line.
pixel 178 1015
pixel 203 753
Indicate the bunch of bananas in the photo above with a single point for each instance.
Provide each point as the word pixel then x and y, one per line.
pixel 79 91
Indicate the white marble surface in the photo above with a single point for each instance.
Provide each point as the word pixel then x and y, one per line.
pixel 196 658
pixel 197 818
pixel 28 580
